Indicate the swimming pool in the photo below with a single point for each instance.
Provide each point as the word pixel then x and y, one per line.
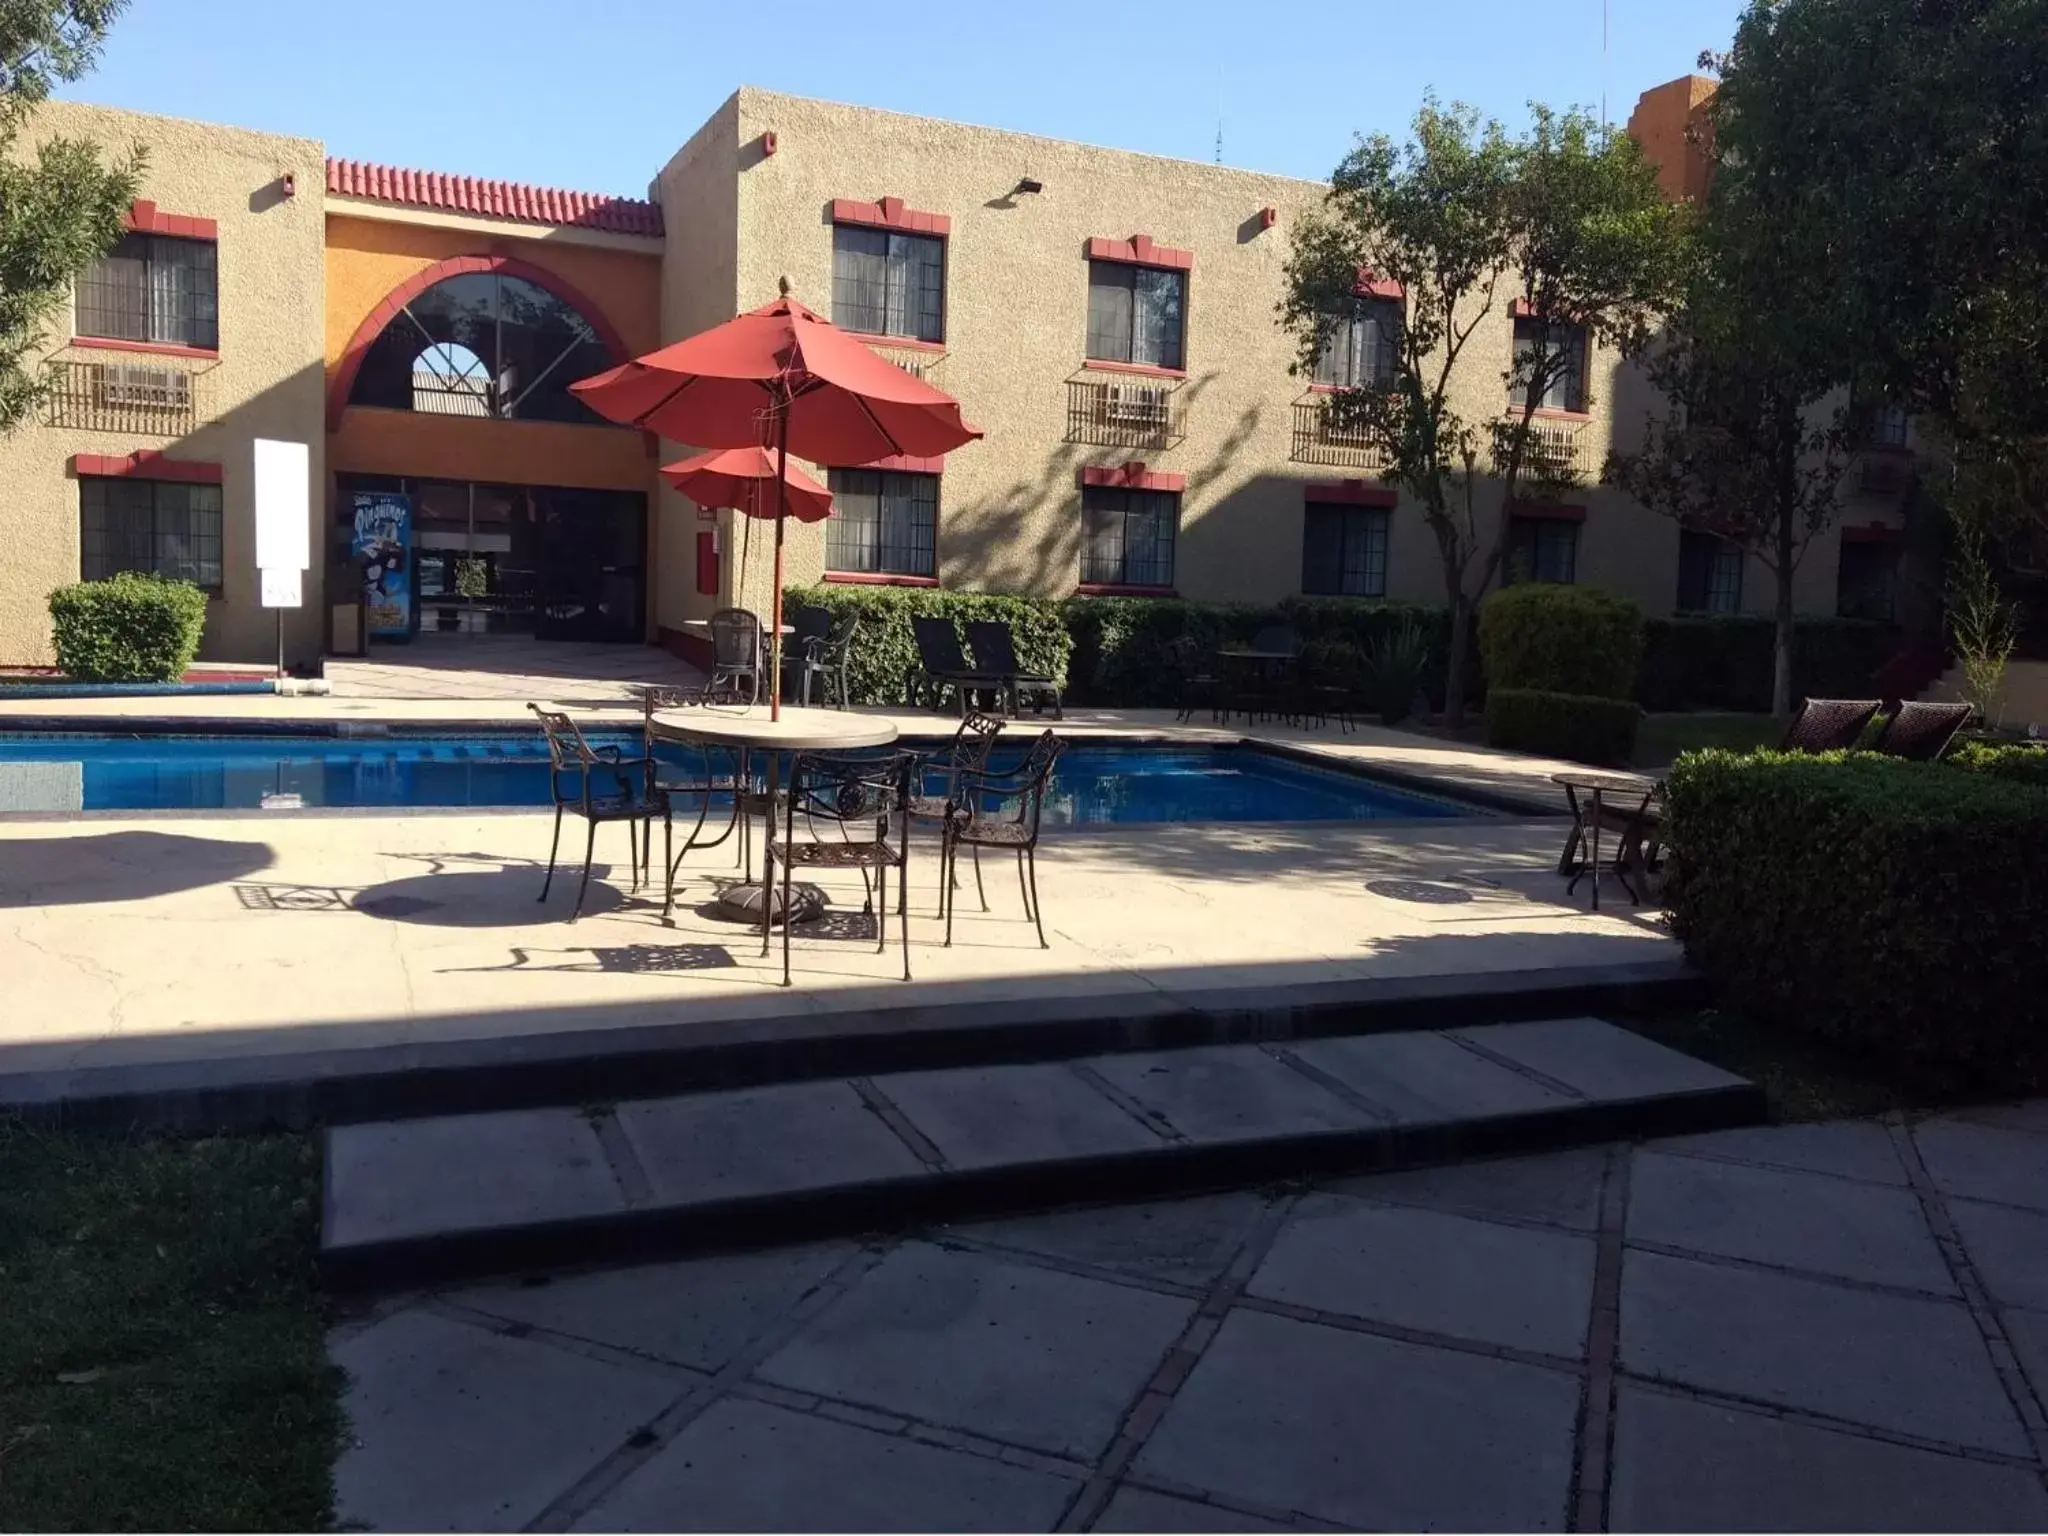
pixel 1095 784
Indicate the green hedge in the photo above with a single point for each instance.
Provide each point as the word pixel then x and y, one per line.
pixel 885 651
pixel 127 629
pixel 1559 639
pixel 1700 661
pixel 1568 725
pixel 2020 765
pixel 1892 908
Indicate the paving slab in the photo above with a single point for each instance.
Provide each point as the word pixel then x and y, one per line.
pixel 1419 1269
pixel 762 1141
pixel 2028 1332
pixel 750 1466
pixel 1600 1060
pixel 1559 1189
pixel 1985 1162
pixel 454 1427
pixel 1224 1092
pixel 1186 1242
pixel 979 1117
pixel 406 1178
pixel 1424 1076
pixel 1806 1221
pixel 2029 1115
pixel 1368 1432
pixel 700 1312
pixel 982 1344
pixel 2009 1248
pixel 1140 1509
pixel 1685 1465
pixel 1914 1365
pixel 1850 1149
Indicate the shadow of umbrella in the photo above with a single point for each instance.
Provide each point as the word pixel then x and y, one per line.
pixel 489 898
pixel 80 869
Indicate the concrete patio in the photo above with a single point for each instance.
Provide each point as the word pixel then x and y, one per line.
pixel 1808 1327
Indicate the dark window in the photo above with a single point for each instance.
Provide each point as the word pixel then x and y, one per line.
pixel 1343 551
pixel 883 522
pixel 1136 314
pixel 483 344
pixel 1709 574
pixel 1867 580
pixel 165 527
pixel 888 284
pixel 1127 537
pixel 1567 388
pixel 152 288
pixel 1890 427
pixel 1363 348
pixel 1542 549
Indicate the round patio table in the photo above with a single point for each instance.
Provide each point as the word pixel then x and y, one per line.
pixel 1585 831
pixel 1245 662
pixel 750 730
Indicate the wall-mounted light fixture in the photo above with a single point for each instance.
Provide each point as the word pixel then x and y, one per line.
pixel 768 142
pixel 1268 217
pixel 1028 185
pixel 287 185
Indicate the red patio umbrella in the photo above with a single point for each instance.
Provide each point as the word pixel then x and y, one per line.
pixel 782 375
pixel 741 478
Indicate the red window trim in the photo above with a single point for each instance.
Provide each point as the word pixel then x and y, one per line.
pixel 1132 477
pixel 1350 493
pixel 902 463
pixel 145 218
pixel 887 339
pixel 1140 251
pixel 1548 511
pixel 1143 370
pixel 144 464
pixel 1552 413
pixel 878 579
pixel 1365 285
pixel 167 348
pixel 1874 533
pixel 1119 589
pixel 1522 309
pixel 889 213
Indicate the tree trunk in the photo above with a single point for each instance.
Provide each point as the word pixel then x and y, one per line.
pixel 1454 663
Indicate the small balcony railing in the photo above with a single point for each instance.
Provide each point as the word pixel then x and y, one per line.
pixel 1555 450
pixel 1120 415
pixel 145 399
pixel 1323 436
pixel 918 362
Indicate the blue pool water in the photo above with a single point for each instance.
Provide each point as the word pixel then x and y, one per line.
pixel 1094 784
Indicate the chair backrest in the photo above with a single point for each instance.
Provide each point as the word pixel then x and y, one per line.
pixel 845 788
pixel 972 742
pixel 807 623
pixel 1829 725
pixel 995 649
pixel 566 746
pixel 735 638
pixel 1276 637
pixel 1034 775
pixel 839 638
pixel 938 644
pixel 1922 731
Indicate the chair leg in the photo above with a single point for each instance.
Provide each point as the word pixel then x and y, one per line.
pixel 589 853
pixel 668 862
pixel 949 858
pixel 633 852
pixel 1023 888
pixel 902 908
pixel 553 847
pixel 881 909
pixel 978 890
pixel 1037 913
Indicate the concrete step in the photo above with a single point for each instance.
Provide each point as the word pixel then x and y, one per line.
pixel 433 1199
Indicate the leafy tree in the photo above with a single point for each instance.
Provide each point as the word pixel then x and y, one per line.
pixel 1567 218
pixel 61 210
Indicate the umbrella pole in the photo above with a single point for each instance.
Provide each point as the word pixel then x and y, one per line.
pixel 781 510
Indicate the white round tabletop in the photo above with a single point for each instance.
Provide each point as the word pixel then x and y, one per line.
pixel 705 626
pixel 799 730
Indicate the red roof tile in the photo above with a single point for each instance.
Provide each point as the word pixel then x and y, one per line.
pixel 493 199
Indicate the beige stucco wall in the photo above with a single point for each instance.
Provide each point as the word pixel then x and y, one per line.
pixel 265 383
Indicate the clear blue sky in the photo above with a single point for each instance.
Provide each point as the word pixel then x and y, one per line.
pixel 596 94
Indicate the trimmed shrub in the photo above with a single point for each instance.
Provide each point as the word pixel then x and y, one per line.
pixel 2017 764
pixel 1568 725
pixel 1724 661
pixel 129 628
pixel 1561 639
pixel 1891 908
pixel 885 650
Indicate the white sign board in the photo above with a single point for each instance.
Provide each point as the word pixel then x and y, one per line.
pixel 282 589
pixel 284 508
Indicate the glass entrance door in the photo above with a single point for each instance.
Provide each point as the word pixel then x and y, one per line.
pixel 592 550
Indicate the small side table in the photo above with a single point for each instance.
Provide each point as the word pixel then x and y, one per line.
pixel 1586 817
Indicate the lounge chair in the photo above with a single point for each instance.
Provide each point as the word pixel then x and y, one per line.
pixel 995 650
pixel 1829 725
pixel 1921 732
pixel 941 664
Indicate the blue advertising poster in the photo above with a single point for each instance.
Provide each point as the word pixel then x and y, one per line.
pixel 382 548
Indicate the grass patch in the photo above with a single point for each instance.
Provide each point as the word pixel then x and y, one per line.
pixel 1660 738
pixel 1802 1079
pixel 163 1363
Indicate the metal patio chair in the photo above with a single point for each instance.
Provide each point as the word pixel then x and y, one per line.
pixel 723 771
pixel 808 626
pixel 842 811
pixel 735 657
pixel 1003 811
pixel 1196 685
pixel 966 753
pixel 600 785
pixel 828 658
